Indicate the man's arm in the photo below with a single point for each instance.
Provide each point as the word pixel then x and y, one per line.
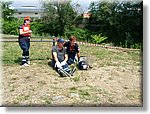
pixel 57 63
pixel 55 56
pixel 21 32
pixel 78 51
pixel 66 58
pixel 78 55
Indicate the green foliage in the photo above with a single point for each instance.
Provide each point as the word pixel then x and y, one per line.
pixel 38 28
pixel 98 38
pixel 10 27
pixel 6 11
pixel 121 22
pixel 9 23
pixel 58 17
pixel 80 33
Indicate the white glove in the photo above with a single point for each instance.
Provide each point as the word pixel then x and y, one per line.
pixel 63 63
pixel 58 65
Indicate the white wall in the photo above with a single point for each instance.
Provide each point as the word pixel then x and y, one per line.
pixel 31 14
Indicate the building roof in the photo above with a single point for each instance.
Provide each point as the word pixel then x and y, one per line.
pixel 24 9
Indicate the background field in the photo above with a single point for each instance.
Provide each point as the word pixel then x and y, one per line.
pixel 114 80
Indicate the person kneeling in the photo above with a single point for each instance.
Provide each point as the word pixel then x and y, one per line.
pixel 59 59
pixel 72 49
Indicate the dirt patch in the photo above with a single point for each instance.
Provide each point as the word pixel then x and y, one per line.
pixel 40 85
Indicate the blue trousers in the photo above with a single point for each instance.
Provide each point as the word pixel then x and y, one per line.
pixel 25 45
pixel 71 59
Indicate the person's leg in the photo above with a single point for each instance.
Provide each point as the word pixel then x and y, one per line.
pixel 53 64
pixel 71 59
pixel 27 52
pixel 66 68
pixel 23 46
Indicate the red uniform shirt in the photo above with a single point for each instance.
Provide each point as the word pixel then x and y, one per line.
pixel 25 28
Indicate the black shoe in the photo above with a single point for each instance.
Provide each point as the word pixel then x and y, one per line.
pixel 72 71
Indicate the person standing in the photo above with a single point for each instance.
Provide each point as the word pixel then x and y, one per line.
pixel 72 50
pixel 24 40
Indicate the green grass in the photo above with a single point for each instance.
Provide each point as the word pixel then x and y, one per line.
pixel 40 52
pixel 23 97
pixel 76 79
pixel 84 93
pixel 47 100
pixel 73 89
pixel 134 95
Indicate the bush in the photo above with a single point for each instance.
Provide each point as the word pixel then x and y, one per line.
pixel 11 27
pixel 81 34
pixel 98 38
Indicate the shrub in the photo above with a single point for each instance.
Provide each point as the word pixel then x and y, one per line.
pixel 98 38
pixel 81 34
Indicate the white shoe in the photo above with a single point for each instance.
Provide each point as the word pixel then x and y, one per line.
pixel 28 62
pixel 25 64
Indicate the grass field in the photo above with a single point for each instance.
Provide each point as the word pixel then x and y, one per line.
pixel 114 80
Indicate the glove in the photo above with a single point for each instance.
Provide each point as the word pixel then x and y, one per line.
pixel 63 63
pixel 58 65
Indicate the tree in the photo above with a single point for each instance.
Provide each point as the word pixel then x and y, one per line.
pixel 58 17
pixel 9 25
pixel 121 22
pixel 6 11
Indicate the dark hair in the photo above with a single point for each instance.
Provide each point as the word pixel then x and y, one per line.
pixel 71 38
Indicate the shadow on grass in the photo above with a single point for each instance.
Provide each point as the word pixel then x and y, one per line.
pixel 18 61
pixel 50 63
